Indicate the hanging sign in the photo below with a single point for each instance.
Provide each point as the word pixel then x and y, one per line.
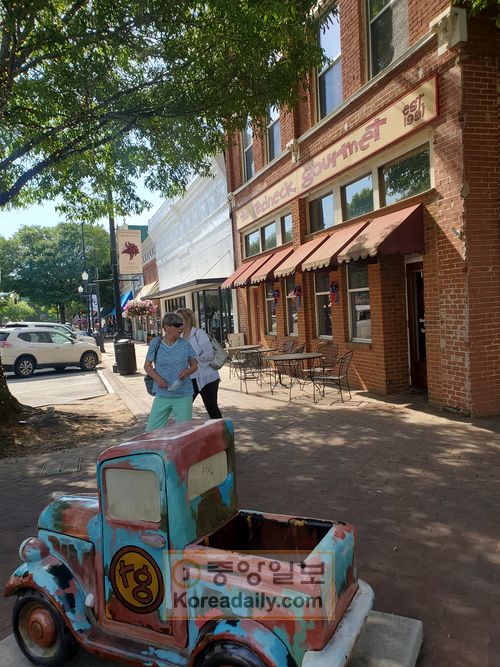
pixel 408 114
pixel 129 252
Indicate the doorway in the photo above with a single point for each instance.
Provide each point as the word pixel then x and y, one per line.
pixel 254 315
pixel 416 324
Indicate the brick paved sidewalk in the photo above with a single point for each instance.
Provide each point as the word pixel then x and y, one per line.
pixel 422 488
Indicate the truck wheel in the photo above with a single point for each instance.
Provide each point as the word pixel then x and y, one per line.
pixel 24 367
pixel 89 361
pixel 40 631
pixel 230 654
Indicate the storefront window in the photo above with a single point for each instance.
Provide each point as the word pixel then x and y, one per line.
pixel 322 300
pixel 270 310
pixel 406 177
pixel 359 301
pixel 321 213
pixel 291 308
pixel 269 236
pixel 213 310
pixel 286 228
pixel 252 243
pixel 357 197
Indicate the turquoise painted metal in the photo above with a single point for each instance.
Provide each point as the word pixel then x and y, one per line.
pixel 161 568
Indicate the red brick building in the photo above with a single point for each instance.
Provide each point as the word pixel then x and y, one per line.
pixel 369 215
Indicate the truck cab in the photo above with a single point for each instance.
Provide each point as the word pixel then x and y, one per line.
pixel 160 567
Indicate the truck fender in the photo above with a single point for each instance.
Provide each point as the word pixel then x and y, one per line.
pixel 54 580
pixel 248 633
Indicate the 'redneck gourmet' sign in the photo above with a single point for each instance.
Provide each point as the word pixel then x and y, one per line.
pixel 408 114
pixel 129 251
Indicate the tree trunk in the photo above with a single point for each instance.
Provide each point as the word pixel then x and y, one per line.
pixel 10 408
pixel 62 313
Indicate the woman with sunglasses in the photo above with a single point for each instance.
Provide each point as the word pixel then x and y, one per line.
pixel 170 361
pixel 206 379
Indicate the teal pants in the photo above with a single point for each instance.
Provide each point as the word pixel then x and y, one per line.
pixel 162 408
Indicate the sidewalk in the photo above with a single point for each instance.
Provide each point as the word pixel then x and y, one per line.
pixel 422 488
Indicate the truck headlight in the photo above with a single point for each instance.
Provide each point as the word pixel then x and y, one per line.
pixel 33 549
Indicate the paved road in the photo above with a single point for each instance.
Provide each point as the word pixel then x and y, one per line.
pixel 421 487
pixel 52 387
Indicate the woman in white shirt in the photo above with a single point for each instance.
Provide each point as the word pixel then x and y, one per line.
pixel 206 379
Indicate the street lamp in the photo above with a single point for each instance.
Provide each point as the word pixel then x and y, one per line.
pixel 85 278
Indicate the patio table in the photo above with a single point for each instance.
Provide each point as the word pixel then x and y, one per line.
pixel 291 363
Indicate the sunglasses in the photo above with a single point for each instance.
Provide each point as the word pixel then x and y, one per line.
pixel 177 325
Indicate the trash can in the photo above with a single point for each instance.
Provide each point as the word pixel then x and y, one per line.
pixel 125 356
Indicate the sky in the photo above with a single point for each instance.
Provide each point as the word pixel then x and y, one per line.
pixel 46 216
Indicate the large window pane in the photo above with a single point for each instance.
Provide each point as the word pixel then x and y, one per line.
pixel 247 142
pixel 291 308
pixel 358 197
pixel 252 243
pixel 388 32
pixel 330 75
pixel 269 236
pixel 321 213
pixel 407 177
pixel 273 133
pixel 330 89
pixel 270 309
pixel 286 229
pixel 359 301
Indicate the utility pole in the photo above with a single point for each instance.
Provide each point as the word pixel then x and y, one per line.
pixel 114 265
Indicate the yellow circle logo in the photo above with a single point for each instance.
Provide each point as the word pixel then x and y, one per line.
pixel 136 580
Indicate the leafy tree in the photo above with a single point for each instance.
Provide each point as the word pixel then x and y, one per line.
pixel 157 79
pixel 486 7
pixel 16 311
pixel 95 93
pixel 361 202
pixel 49 262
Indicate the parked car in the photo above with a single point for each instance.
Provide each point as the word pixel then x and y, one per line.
pixel 63 328
pixel 25 349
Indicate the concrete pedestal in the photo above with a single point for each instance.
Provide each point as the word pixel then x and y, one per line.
pixel 385 640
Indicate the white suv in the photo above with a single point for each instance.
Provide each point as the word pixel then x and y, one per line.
pixel 24 349
pixel 63 328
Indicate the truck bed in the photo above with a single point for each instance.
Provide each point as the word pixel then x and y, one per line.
pixel 250 531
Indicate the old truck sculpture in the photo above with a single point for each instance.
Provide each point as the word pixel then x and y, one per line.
pixel 161 568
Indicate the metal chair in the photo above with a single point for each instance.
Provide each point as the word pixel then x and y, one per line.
pixel 287 347
pixel 246 366
pixel 338 376
pixel 329 356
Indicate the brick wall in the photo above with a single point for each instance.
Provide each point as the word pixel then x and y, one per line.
pixel 461 263
pixel 481 191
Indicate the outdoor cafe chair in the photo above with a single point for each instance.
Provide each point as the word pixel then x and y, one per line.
pixel 247 367
pixel 338 376
pixel 287 347
pixel 329 355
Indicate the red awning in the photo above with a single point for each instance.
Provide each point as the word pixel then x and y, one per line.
pixel 244 277
pixel 229 282
pixel 327 253
pixel 293 261
pixel 266 271
pixel 398 232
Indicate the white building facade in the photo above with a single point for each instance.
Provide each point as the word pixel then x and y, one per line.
pixel 194 252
